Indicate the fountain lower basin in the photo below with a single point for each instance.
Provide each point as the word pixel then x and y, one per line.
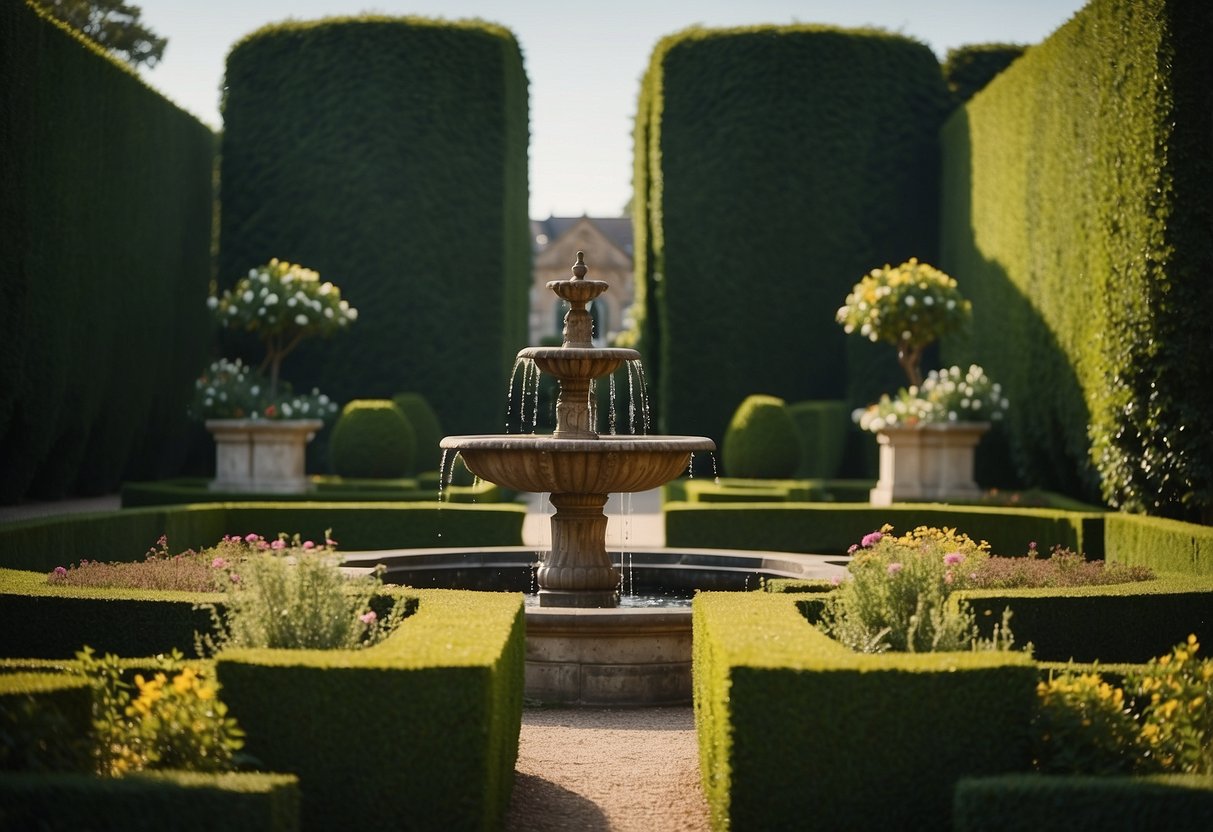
pixel 604 657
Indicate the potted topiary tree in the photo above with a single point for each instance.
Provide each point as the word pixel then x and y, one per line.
pixel 261 428
pixel 929 431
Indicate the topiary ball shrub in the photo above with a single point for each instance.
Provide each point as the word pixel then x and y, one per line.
pixel 823 427
pixel 416 408
pixel 762 440
pixel 372 438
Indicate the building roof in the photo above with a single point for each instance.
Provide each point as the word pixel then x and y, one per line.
pixel 616 229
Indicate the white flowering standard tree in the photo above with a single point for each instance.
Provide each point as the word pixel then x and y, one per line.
pixel 260 428
pixel 282 304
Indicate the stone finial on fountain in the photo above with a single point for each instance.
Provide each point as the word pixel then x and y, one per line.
pixel 579 268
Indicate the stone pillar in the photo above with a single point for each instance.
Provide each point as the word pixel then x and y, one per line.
pixel 578 570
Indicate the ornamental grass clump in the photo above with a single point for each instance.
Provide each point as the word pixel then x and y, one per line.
pixel 291 594
pixel 1160 721
pixel 901 594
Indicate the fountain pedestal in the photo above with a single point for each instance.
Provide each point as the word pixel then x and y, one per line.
pixel 578 571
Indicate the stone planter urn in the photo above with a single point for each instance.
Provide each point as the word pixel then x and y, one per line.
pixel 931 462
pixel 261 455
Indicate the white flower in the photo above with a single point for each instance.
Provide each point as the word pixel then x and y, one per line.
pixel 212 302
pixel 928 301
pixel 301 320
pixel 910 300
pixel 248 296
pixel 291 301
pixel 271 299
pixel 325 288
pixel 328 312
pixel 352 314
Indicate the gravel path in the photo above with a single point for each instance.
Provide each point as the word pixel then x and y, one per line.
pixel 591 770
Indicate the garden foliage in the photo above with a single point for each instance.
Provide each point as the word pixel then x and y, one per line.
pixel 967 69
pixel 773 166
pixel 1075 208
pixel 106 238
pixel 390 155
pixel 417 409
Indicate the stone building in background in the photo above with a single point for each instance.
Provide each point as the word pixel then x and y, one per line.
pixel 607 243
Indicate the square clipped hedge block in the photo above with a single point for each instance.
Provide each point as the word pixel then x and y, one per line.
pixel 794 728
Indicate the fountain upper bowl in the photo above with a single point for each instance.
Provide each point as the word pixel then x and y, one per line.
pixel 605 465
pixel 568 363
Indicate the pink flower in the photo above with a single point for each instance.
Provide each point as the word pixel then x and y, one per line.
pixel 836 580
pixel 368 617
pixel 894 568
pixel 871 539
pixel 953 558
pixel 235 578
pixel 328 541
pixel 853 548
pixel 947 577
pixel 251 538
pixel 307 544
pixel 60 572
pixel 278 544
pixel 219 563
pixel 261 544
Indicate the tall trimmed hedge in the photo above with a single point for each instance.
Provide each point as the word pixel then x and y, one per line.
pixel 105 234
pixel 1076 213
pixel 774 167
pixel 968 69
pixel 390 155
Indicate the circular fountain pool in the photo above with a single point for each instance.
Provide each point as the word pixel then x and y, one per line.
pixel 638 653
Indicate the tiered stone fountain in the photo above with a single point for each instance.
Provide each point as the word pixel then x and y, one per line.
pixel 580 468
pixel 580 648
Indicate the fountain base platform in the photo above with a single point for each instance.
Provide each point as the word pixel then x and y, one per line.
pixel 612 657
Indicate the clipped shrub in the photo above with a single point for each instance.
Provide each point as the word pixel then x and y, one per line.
pixel 416 408
pixel 822 426
pixel 761 440
pixel 372 438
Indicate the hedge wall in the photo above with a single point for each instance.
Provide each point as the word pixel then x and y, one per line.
pixel 774 167
pixel 105 235
pixel 1076 214
pixel 390 155
pixel 1163 545
pixel 968 69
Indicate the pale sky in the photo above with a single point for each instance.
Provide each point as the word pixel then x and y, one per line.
pixel 583 59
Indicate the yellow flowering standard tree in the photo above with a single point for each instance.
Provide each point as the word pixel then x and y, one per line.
pixel 909 306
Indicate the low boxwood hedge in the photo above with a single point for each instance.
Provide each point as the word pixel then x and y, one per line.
pixel 420 731
pixel 1033 802
pixel 329 489
pixel 153 801
pixel 830 528
pixel 793 724
pixel 1163 545
pixel 41 544
pixel 1131 622
pixel 41 621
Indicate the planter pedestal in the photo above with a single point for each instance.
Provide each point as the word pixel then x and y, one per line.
pixel 265 455
pixel 931 462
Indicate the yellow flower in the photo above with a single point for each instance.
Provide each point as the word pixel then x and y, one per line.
pixel 185 680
